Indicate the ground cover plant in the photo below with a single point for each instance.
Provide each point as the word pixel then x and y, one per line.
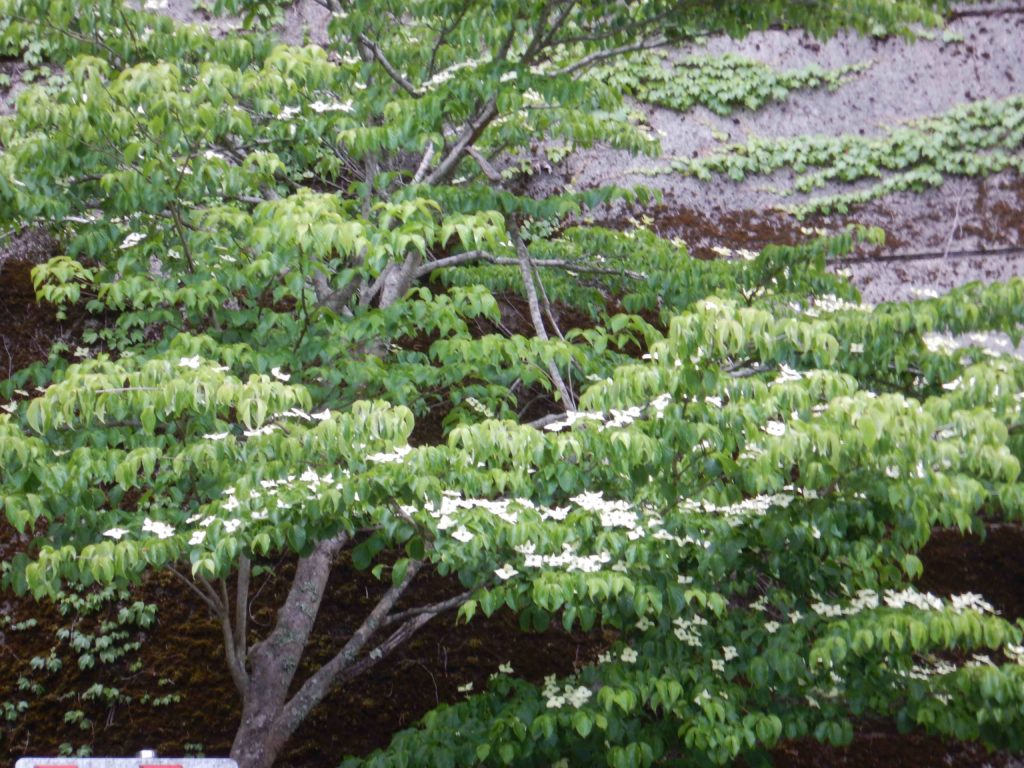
pixel 971 140
pixel 720 83
pixel 337 325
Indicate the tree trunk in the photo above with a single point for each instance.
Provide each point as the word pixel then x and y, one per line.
pixel 272 664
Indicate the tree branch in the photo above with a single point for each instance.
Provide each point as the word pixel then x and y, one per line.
pixel 214 607
pixel 599 56
pixel 421 171
pixel 433 609
pixel 526 269
pixel 472 256
pixel 470 133
pixel 377 53
pixel 316 687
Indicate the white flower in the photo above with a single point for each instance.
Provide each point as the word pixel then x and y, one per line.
pixel 197 538
pixel 730 652
pixel 215 436
pixel 507 76
pixel 10 407
pixel 334 106
pixel 718 665
pixel 775 428
pixel 232 525
pixel 278 374
pixel 578 696
pixel 132 239
pixel 190 362
pixel 322 415
pixel 462 534
pixel 856 349
pixel 116 533
pixel 266 429
pixel 629 655
pixel 466 688
pixel 771 627
pixel 506 572
pixel 644 624
pixel 506 668
pixel 287 113
pixel 162 530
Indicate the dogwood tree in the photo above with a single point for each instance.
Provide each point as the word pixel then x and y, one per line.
pixel 308 251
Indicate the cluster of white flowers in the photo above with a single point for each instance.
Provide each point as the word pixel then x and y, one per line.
pixel 568 559
pixel 572 418
pixel 869 599
pixel 938 667
pixel 939 342
pixel 830 303
pixel 622 418
pixel 161 530
pixel 297 413
pixel 394 457
pixel 616 418
pixel 576 696
pixel 687 630
pixel 332 106
pixel 614 513
pixel 787 374
pixel 445 75
pixel 287 113
pixel 727 253
pixel 755 506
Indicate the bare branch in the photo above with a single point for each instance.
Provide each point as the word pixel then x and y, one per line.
pixel 316 687
pixel 214 607
pixel 433 609
pixel 526 269
pixel 474 256
pixel 377 53
pixel 428 155
pixel 599 56
pixel 470 133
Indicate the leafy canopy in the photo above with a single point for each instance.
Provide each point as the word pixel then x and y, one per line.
pixel 309 256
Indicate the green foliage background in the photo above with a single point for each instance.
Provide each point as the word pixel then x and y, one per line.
pixel 739 464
